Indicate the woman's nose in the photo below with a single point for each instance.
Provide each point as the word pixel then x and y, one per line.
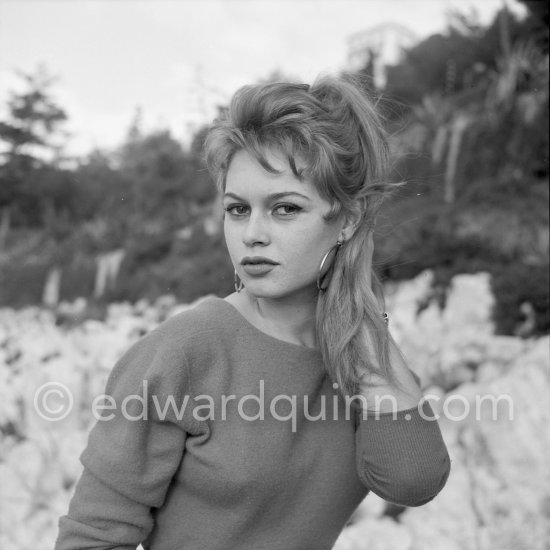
pixel 256 230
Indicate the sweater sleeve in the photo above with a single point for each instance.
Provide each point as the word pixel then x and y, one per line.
pixel 133 450
pixel 401 456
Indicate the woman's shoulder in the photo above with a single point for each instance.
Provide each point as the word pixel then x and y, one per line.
pixel 188 337
pixel 205 318
pixel 205 328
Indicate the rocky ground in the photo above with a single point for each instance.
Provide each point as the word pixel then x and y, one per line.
pixel 491 393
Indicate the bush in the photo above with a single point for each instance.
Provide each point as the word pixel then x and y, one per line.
pixel 186 276
pixel 147 249
pixel 22 284
pixel 515 284
pixel 431 236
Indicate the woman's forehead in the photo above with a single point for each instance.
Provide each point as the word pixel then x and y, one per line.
pixel 246 171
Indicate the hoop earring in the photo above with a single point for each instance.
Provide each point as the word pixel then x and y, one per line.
pixel 322 276
pixel 239 285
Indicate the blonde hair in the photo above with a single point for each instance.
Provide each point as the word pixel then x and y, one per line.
pixel 333 129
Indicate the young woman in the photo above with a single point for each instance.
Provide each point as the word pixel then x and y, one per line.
pixel 262 419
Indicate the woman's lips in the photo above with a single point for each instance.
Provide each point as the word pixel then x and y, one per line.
pixel 258 269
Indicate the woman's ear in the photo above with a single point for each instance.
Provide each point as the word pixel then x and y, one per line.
pixel 350 224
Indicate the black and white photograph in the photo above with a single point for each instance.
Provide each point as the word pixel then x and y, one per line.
pixel 274 275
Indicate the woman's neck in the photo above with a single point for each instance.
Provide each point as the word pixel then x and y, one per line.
pixel 291 319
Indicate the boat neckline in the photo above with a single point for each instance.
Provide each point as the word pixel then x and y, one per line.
pixel 265 335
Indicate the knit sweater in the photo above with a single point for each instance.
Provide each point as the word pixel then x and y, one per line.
pixel 181 458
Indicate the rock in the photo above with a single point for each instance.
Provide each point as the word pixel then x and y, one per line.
pixel 490 392
pixel 375 534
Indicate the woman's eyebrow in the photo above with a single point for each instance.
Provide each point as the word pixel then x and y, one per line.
pixel 273 196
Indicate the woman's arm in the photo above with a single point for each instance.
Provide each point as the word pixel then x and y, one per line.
pixel 401 455
pixel 130 458
pixel 100 517
pixel 382 397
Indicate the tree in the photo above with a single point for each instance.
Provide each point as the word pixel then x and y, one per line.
pixel 459 60
pixel 29 141
pixel 34 120
pixel 166 179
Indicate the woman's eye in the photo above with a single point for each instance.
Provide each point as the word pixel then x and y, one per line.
pixel 287 209
pixel 236 209
pixel 282 210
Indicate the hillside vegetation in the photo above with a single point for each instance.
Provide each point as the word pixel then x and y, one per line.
pixel 467 113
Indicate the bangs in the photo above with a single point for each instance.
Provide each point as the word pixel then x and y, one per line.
pixel 328 134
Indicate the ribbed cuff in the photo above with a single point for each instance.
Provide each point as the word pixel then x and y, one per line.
pixel 401 455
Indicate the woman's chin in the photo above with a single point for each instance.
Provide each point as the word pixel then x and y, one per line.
pixel 256 289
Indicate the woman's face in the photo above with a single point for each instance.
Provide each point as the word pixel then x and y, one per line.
pixel 279 218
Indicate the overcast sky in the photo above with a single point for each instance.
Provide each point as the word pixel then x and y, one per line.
pixel 178 59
